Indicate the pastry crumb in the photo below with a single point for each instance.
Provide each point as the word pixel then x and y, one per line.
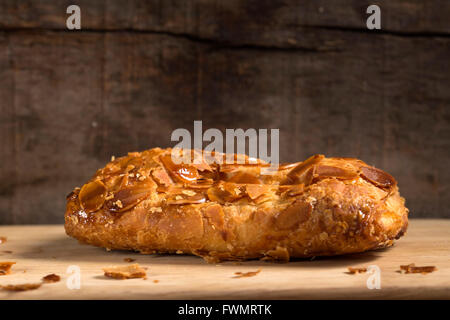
pixel 246 274
pixel 21 287
pixel 412 268
pixel 3 239
pixel 5 267
pixel 352 270
pixel 155 281
pixel 51 278
pixel 129 260
pixel 128 272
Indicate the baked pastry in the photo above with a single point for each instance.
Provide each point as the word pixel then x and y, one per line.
pixel 319 207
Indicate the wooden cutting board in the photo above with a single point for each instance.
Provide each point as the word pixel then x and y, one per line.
pixel 41 250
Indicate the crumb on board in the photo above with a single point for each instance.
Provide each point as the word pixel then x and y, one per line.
pixel 3 239
pixel 412 268
pixel 246 274
pixel 5 267
pixel 21 287
pixel 129 260
pixel 126 272
pixel 155 281
pixel 352 270
pixel 51 278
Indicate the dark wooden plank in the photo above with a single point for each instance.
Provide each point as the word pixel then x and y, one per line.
pixel 80 98
pixel 7 132
pixel 150 90
pixel 70 100
pixel 263 22
pixel 55 96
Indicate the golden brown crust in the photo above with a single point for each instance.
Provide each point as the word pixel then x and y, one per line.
pixel 321 206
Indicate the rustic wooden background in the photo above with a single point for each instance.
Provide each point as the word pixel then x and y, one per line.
pixel 139 69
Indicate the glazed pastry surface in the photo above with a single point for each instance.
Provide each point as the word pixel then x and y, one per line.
pixel 319 207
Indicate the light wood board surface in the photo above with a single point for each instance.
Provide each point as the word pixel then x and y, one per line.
pixel 41 250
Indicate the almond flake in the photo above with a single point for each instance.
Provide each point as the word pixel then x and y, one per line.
pixel 189 193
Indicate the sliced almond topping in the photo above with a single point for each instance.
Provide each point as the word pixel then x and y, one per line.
pixel 128 197
pixel 304 177
pixel 378 177
pixel 323 171
pixel 189 192
pixel 92 196
pixel 301 168
pixel 294 215
pixel 244 178
pixel 202 166
pixel 196 199
pixel 224 192
pixel 295 190
pixel 255 190
pixel 202 184
pixel 182 172
pixel 285 166
pixel 161 177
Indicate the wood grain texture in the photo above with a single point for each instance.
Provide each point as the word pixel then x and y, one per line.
pixel 249 21
pixel 42 250
pixel 140 69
